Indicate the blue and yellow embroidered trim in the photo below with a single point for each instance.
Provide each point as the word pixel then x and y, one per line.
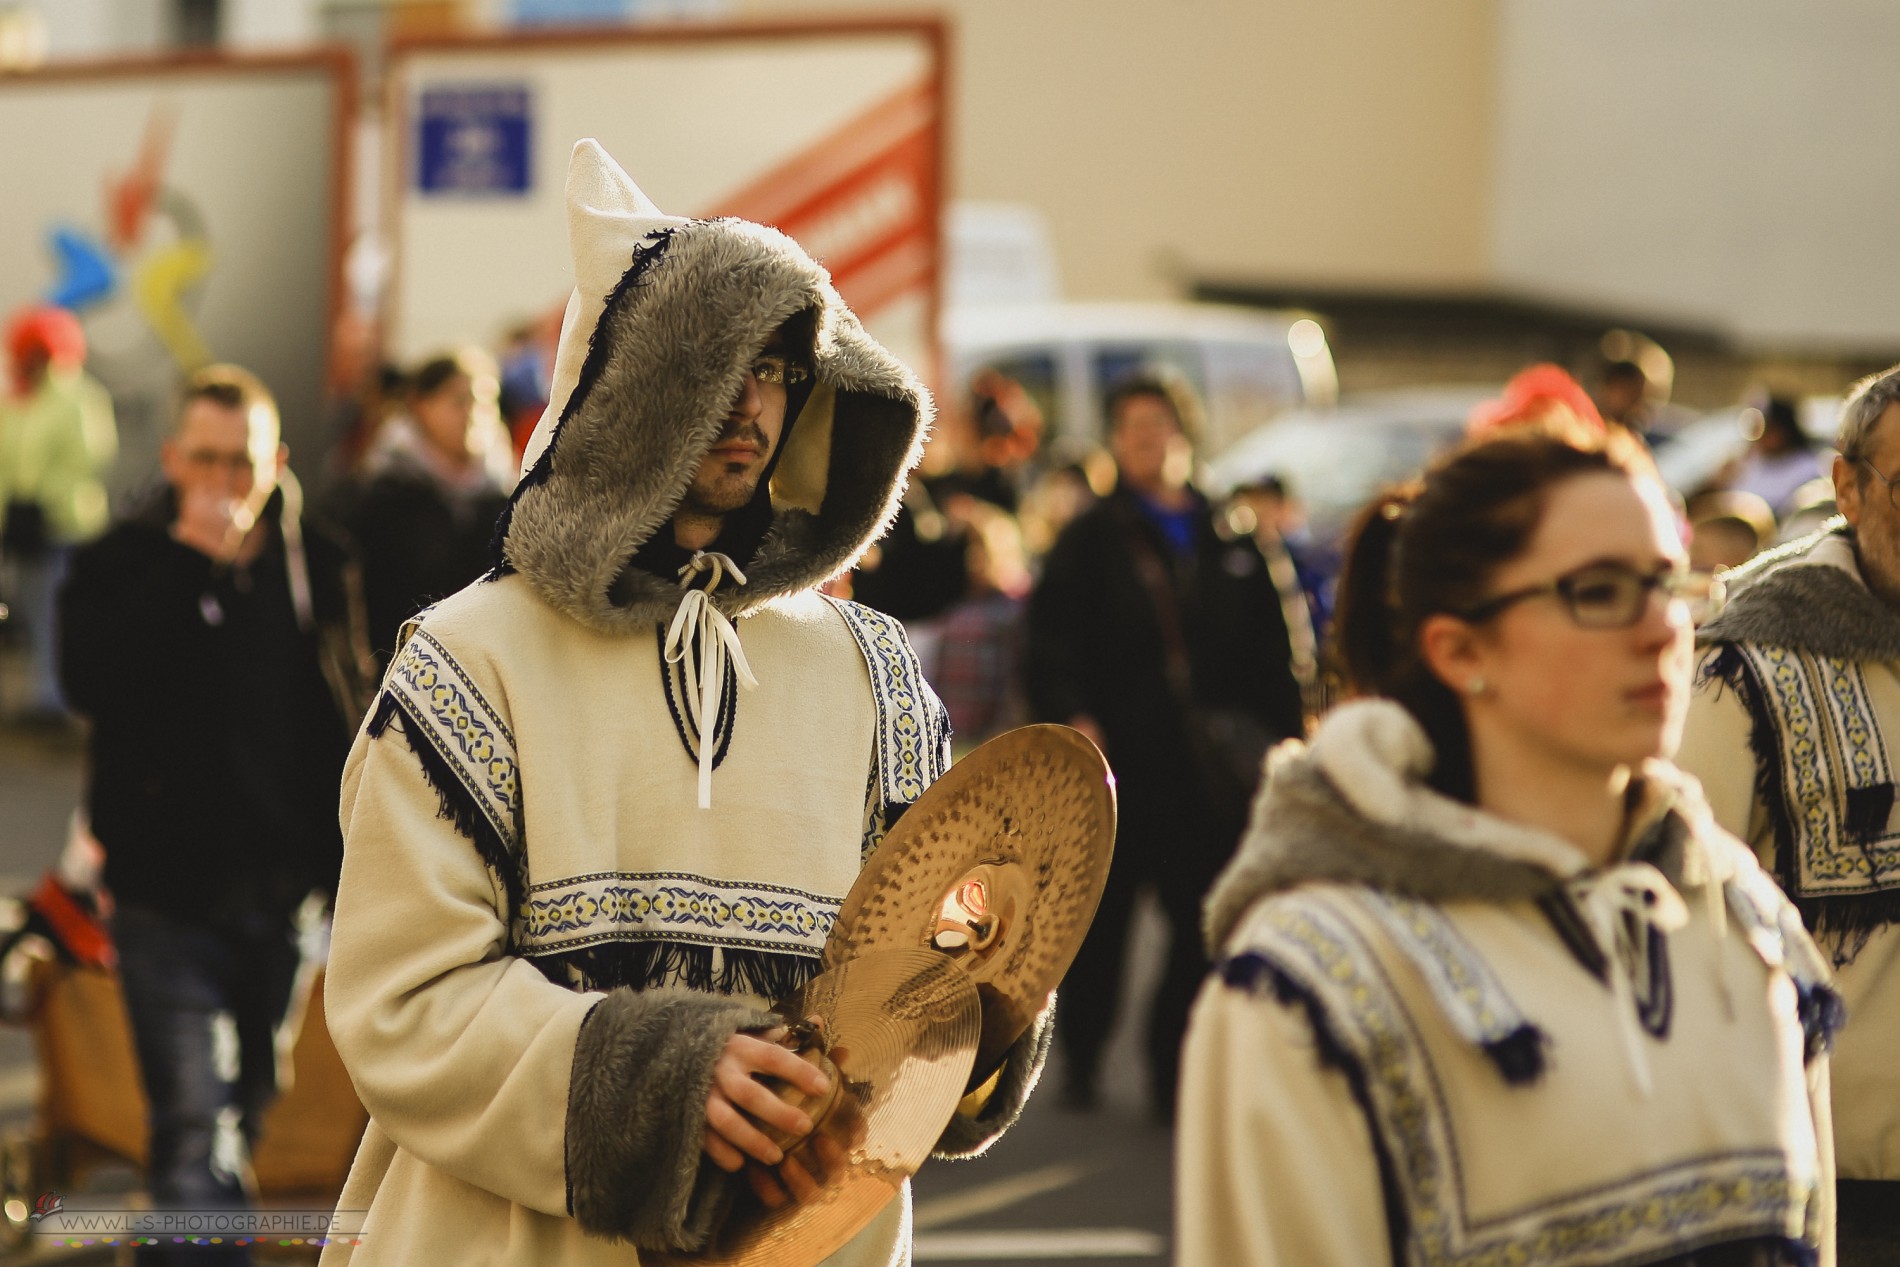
pixel 1310 943
pixel 913 727
pixel 451 713
pixel 675 906
pixel 1831 746
pixel 1468 992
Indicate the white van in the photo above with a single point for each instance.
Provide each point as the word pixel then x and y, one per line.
pixel 1248 364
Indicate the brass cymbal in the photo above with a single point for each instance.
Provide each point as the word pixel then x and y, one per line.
pixel 999 865
pixel 896 1031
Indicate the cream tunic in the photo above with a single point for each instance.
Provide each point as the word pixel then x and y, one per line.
pixel 460 1049
pixel 1865 1073
pixel 1279 1167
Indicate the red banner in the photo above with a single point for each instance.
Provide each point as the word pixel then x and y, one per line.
pixel 863 201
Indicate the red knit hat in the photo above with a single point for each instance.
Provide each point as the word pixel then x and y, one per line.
pixel 44 331
pixel 1537 393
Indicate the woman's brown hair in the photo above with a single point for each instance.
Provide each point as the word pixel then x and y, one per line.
pixel 1433 546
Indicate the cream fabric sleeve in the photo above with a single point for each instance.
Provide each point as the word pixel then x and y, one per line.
pixel 1820 1095
pixel 460 1052
pixel 1275 1164
pixel 1715 750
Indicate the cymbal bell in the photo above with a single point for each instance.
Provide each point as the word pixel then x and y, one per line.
pixel 999 866
pixel 896 1031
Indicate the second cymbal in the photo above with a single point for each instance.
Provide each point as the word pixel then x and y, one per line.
pixel 1000 866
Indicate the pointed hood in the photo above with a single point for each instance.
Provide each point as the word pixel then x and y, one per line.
pixel 665 316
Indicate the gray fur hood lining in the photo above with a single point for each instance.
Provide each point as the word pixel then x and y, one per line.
pixel 1353 808
pixel 668 356
pixel 1808 596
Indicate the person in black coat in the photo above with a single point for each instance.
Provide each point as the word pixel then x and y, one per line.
pixel 1158 632
pixel 213 640
pixel 423 510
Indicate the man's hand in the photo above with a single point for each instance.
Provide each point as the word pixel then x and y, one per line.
pixel 738 1097
pixel 211 523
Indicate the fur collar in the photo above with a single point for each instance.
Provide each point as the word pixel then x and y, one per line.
pixel 1808 596
pixel 695 305
pixel 1353 808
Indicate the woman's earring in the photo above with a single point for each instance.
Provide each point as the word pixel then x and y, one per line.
pixel 1477 686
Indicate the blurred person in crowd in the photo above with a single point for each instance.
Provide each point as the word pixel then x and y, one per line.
pixel 57 440
pixel 916 571
pixel 1160 635
pixel 424 506
pixel 1622 397
pixel 1263 510
pixel 213 640
pixel 1489 974
pixel 610 798
pixel 1791 731
pixel 1812 506
pixel 526 358
pixel 978 668
pixel 1727 529
pixel 1008 434
pixel 1056 498
pixel 1540 393
pixel 1780 459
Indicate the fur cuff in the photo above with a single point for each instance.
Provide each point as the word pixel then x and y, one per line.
pixel 1022 1066
pixel 636 1116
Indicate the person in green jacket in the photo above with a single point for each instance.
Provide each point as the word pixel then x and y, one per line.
pixel 57 439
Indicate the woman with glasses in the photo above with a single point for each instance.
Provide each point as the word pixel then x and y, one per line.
pixel 1491 986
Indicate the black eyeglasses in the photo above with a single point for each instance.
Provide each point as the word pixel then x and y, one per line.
pixel 1615 595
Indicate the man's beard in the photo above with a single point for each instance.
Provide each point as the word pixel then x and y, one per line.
pixel 722 500
pixel 729 493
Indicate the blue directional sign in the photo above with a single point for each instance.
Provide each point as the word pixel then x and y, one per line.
pixel 474 139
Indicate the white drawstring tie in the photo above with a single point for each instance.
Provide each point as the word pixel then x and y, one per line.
pixel 698 620
pixel 1622 905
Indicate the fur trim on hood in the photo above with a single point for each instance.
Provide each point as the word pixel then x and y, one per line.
pixel 1808 596
pixel 665 317
pixel 1353 807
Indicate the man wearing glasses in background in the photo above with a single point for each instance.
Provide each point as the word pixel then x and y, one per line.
pixel 215 642
pixel 1792 731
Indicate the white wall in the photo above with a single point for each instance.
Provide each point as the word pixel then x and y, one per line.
pixel 1170 142
pixel 1730 163
pixel 100 28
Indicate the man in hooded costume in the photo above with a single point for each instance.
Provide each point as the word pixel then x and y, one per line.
pixel 611 797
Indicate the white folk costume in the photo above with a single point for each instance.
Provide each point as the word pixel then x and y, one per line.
pixel 612 796
pixel 1436 1037
pixel 1792 732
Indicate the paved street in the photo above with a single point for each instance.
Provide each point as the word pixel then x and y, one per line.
pixel 1091 1190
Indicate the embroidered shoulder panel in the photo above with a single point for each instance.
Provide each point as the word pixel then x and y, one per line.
pixel 1831 750
pixel 671 906
pixel 1466 990
pixel 913 727
pixel 1317 955
pixel 451 714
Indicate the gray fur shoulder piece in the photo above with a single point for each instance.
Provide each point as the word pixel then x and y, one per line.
pixel 669 354
pixel 1807 596
pixel 636 1116
pixel 1352 807
pixel 1022 1067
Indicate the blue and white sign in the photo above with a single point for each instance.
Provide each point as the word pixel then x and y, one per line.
pixel 473 139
